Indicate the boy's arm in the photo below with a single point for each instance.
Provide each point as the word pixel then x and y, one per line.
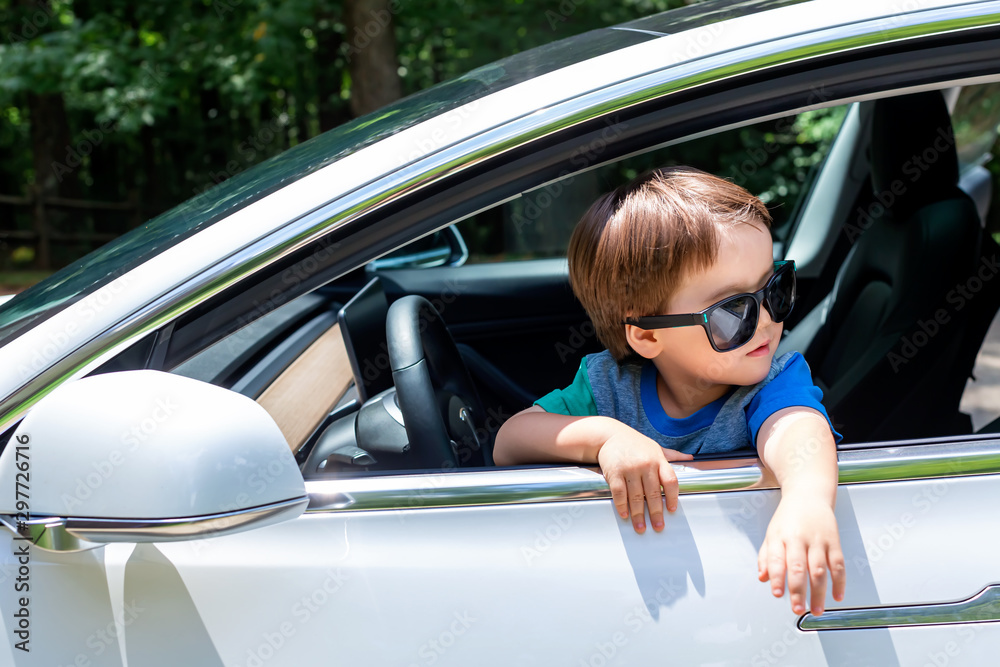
pixel 634 465
pixel 802 539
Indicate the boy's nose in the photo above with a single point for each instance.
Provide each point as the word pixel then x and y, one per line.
pixel 764 318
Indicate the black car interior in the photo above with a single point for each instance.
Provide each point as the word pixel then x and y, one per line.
pixel 890 345
pixel 890 365
pixel 428 395
pixel 453 351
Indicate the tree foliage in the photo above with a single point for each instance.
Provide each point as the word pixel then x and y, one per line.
pixel 160 100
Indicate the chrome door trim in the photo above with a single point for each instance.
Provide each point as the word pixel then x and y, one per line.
pixel 947 459
pixel 503 487
pixel 54 533
pixel 456 158
pixel 982 607
pixel 558 484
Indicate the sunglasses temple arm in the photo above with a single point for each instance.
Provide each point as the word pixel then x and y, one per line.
pixel 668 321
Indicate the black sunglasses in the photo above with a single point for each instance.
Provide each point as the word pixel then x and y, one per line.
pixel 732 322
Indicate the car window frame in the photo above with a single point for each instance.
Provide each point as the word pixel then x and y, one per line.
pixel 442 221
pixel 779 89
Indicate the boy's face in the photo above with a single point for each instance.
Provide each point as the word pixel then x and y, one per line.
pixel 744 264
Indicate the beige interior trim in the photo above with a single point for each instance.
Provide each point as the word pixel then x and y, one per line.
pixel 307 390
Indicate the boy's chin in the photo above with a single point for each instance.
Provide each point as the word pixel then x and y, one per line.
pixel 752 370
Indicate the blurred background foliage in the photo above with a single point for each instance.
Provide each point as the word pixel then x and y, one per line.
pixel 149 103
pixel 113 111
pixel 775 160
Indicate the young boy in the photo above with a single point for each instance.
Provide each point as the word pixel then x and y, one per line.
pixel 675 270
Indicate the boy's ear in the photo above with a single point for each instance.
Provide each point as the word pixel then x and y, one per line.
pixel 645 342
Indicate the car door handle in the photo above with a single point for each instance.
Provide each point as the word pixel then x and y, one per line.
pixel 982 607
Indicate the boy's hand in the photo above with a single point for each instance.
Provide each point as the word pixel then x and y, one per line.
pixel 635 467
pixel 802 540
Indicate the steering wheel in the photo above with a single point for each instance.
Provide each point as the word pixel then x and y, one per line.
pixel 441 409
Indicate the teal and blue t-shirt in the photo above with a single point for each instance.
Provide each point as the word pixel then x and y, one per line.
pixel 627 392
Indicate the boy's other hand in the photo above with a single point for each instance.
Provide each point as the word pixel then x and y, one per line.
pixel 636 467
pixel 802 541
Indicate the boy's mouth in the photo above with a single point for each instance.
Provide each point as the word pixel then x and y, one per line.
pixel 761 350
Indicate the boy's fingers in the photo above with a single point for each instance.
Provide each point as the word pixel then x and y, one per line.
pixel 776 566
pixel 619 494
pixel 674 455
pixel 838 571
pixel 636 503
pixel 670 488
pixel 651 487
pixel 762 562
pixel 817 578
pixel 797 575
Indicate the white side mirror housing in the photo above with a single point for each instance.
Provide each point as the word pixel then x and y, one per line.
pixel 145 456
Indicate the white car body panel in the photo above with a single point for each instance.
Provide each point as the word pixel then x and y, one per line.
pixel 419 587
pixel 518 583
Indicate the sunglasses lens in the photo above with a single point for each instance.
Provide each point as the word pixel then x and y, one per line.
pixel 734 322
pixel 781 296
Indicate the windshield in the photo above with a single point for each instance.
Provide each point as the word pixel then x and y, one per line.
pixel 123 254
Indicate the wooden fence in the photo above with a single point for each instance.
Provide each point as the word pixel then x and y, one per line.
pixel 44 236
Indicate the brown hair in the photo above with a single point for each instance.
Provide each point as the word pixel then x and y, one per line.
pixel 630 250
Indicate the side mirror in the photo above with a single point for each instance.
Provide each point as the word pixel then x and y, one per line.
pixel 145 456
pixel 445 247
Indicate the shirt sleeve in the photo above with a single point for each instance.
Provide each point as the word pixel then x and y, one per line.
pixel 793 386
pixel 576 400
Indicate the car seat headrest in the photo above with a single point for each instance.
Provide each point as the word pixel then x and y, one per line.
pixel 913 153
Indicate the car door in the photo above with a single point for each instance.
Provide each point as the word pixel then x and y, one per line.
pixel 532 566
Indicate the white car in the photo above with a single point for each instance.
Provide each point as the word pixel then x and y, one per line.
pixel 223 447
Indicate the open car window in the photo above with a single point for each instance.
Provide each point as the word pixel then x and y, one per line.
pixel 776 160
pixel 758 156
